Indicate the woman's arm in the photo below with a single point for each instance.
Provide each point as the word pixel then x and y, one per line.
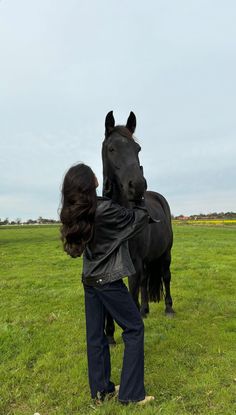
pixel 121 222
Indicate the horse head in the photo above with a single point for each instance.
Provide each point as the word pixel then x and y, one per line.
pixel 123 179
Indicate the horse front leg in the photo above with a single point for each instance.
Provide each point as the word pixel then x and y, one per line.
pixel 144 310
pixel 166 279
pixel 134 288
pixel 110 329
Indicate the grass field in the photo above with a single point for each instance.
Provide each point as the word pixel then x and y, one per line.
pixel 190 361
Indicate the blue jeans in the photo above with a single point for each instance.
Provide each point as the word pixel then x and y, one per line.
pixel 116 299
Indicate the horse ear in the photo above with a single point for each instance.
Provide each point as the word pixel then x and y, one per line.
pixel 131 122
pixel 109 123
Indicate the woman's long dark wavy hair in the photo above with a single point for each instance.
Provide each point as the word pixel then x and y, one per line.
pixel 79 202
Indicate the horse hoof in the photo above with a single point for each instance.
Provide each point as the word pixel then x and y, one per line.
pixel 170 313
pixel 144 311
pixel 111 341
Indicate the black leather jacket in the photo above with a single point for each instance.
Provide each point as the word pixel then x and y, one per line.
pixel 106 258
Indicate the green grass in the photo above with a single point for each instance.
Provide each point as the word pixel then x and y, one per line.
pixel 190 361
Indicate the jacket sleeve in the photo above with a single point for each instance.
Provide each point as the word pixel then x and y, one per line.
pixel 124 223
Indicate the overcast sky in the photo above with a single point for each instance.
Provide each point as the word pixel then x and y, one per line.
pixel 65 64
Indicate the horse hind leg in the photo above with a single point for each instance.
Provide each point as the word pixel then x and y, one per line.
pixel 166 275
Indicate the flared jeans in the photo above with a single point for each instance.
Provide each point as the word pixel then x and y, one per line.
pixel 115 298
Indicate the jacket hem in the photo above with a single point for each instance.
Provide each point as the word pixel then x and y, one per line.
pixel 104 279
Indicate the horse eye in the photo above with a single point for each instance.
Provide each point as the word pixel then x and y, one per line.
pixel 111 149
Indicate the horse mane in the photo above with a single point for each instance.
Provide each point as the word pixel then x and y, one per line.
pixel 122 130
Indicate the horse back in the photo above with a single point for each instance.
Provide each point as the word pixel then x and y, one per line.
pixel 157 205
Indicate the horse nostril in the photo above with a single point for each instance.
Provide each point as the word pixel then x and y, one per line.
pixel 130 183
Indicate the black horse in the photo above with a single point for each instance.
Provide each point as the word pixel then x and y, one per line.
pixel 123 181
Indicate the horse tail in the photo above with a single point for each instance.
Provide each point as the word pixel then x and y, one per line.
pixel 155 281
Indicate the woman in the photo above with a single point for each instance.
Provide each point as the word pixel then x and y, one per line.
pixel 99 228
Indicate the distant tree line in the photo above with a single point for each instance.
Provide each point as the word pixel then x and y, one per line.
pixel 39 221
pixel 45 221
pixel 214 215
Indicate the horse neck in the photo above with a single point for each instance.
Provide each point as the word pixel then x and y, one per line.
pixel 118 197
pixel 114 193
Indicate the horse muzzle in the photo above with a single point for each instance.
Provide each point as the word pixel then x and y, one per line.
pixel 136 189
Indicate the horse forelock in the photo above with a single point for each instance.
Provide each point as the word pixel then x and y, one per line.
pixel 121 130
